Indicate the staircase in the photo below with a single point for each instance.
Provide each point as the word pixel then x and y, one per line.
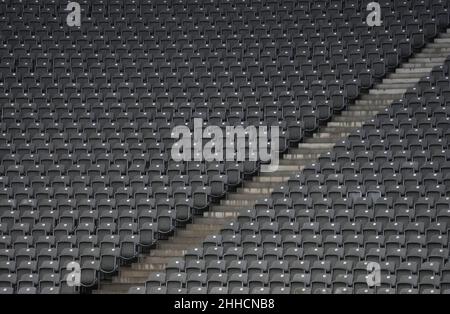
pixel 364 108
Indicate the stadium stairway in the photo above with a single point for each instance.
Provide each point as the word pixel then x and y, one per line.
pixel 340 126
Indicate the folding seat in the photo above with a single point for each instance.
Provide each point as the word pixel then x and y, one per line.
pixel 299 281
pixel 355 192
pixel 271 240
pixel 284 218
pixel 156 280
pixel 237 281
pixel 343 215
pixel 435 191
pixel 310 229
pixel 429 269
pixel 7 254
pixel 47 267
pixel 282 203
pixel 428 167
pixel 249 229
pixel 8 280
pixel 296 181
pixel 173 267
pixel 268 229
pixel 433 228
pixel 429 283
pixel 436 241
pixel 22 242
pixel 374 241
pixel 257 282
pixel 443 215
pixel 196 280
pixel 279 193
pixel 27 290
pixel 7 267
pixel 376 254
pixel 218 185
pixel 402 204
pixel 318 192
pixel 212 241
pixel 417 255
pixel 437 255
pixel 49 290
pixel 342 281
pixel 5 240
pixel 230 229
pixel 396 256
pixel 405 283
pixel 311 172
pixel 19 229
pixel 414 228
pixel 442 204
pixel 138 290
pixel 9 218
pixel 212 253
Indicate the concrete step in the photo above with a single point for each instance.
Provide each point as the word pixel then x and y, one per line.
pixel 352 124
pixel 168 253
pixel 393 91
pixel 225 208
pixel 437 49
pixel 276 178
pixel 256 185
pixel 384 96
pixel 298 158
pixel 429 55
pixel 439 43
pixel 338 129
pixel 304 158
pixel 219 214
pixel 442 40
pixel 426 60
pixel 178 246
pixel 373 102
pixel 241 203
pixel 352 119
pixel 264 190
pixel 202 226
pixel 179 240
pixel 252 196
pixel 115 288
pixel 328 128
pixel 412 80
pixel 359 113
pixel 307 153
pixel 394 86
pixel 322 135
pixel 154 260
pixel 139 273
pixel 209 221
pixel 286 173
pixel 322 146
pixel 137 281
pixel 292 161
pixel 413 70
pixel 420 65
pixel 322 140
pixel 417 75
pixel 193 233
pixel 366 107
pixel 155 267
